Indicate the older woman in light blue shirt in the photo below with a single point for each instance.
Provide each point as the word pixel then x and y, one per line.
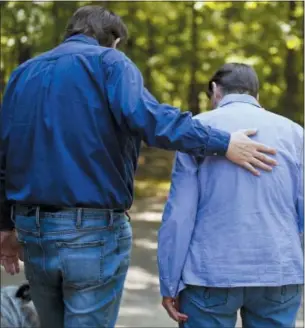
pixel 228 240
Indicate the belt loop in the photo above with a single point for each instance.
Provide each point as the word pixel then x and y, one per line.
pixel 111 219
pixel 13 214
pixel 37 215
pixel 127 214
pixel 79 218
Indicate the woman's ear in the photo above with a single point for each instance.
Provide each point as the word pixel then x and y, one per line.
pixel 214 88
pixel 216 94
pixel 115 43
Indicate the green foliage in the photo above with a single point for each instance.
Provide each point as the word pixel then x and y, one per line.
pixel 179 45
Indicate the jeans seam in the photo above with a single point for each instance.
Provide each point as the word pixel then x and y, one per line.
pixel 101 263
pixel 43 258
pixel 27 232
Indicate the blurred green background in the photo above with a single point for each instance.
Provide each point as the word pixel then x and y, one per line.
pixel 178 46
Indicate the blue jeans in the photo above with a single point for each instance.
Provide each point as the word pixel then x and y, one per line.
pixel 260 307
pixel 76 263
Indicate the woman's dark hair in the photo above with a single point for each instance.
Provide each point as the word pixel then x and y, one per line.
pixel 99 23
pixel 235 78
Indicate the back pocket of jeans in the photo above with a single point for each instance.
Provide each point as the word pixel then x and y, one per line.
pixel 282 294
pixel 207 297
pixel 81 263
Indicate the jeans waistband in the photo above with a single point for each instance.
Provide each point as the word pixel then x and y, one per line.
pixel 64 212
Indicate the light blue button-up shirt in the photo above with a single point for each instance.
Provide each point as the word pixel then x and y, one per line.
pixel 223 227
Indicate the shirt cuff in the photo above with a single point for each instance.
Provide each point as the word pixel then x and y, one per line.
pixel 218 143
pixel 167 289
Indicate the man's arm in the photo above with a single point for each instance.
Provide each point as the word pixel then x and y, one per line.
pixel 177 224
pixel 6 223
pixel 300 188
pixel 160 125
pixel 9 246
pixel 163 126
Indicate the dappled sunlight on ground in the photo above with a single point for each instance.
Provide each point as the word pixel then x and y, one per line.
pixel 147 216
pixel 136 310
pixel 146 243
pixel 138 278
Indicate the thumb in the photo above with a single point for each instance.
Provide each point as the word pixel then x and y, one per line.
pixel 250 132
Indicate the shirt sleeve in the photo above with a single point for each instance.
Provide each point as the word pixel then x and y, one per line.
pixel 160 125
pixel 177 224
pixel 300 195
pixel 299 142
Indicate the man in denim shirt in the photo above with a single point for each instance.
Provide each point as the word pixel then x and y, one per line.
pixel 229 241
pixel 72 122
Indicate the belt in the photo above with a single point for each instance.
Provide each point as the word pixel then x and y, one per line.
pixel 55 209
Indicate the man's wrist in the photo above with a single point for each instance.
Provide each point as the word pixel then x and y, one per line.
pixel 5 234
pixel 218 142
pixel 166 289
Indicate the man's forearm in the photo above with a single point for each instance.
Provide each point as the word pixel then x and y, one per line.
pixel 168 128
pixel 217 142
pixel 160 125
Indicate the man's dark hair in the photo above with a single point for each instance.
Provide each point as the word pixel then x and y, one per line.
pixel 235 78
pixel 99 23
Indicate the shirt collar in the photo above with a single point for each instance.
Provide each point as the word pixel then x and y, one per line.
pixel 83 38
pixel 242 98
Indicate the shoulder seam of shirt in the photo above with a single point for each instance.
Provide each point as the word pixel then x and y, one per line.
pixel 118 61
pixel 116 53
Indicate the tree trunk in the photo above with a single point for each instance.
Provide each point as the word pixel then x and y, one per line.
pixel 55 16
pixel 61 12
pixel 24 52
pixel 150 52
pixel 193 94
pixel 289 100
pixel 2 84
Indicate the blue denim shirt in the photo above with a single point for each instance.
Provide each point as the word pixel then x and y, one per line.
pixel 71 125
pixel 225 228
